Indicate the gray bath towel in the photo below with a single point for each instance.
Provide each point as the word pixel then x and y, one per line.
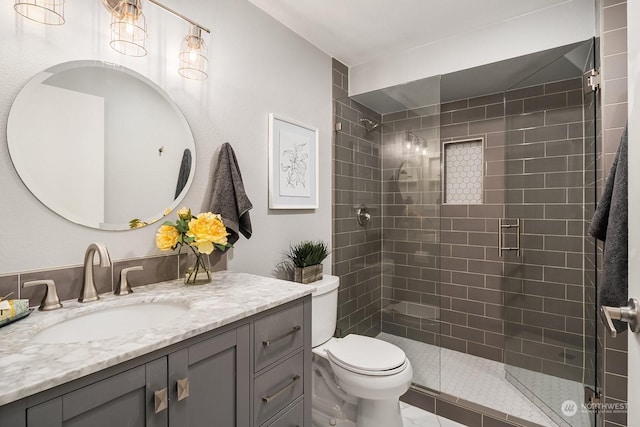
pixel 610 224
pixel 228 197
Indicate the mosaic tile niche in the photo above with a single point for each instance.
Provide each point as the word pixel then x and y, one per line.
pixel 463 172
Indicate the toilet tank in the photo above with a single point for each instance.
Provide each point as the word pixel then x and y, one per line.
pixel 324 309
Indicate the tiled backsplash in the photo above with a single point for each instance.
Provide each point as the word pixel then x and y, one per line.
pixel 68 280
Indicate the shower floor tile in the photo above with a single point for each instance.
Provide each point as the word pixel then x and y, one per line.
pixel 483 381
pixel 416 417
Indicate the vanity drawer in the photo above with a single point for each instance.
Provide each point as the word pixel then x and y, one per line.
pixel 277 335
pixel 278 387
pixel 294 417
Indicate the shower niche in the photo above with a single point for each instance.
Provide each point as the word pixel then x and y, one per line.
pixel 453 159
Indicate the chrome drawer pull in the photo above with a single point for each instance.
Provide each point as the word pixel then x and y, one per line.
pixel 267 398
pixel 281 337
pixel 161 400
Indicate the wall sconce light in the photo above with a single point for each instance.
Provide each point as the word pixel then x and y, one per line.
pixel 193 55
pixel 413 144
pixel 193 50
pixel 129 29
pixel 49 12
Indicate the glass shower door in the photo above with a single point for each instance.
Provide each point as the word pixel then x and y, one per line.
pixel 548 267
pixel 410 221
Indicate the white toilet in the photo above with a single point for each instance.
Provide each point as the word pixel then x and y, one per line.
pixel 356 378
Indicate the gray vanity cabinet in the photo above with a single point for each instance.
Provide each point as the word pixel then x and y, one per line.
pixel 211 382
pixel 208 380
pixel 125 399
pixel 253 373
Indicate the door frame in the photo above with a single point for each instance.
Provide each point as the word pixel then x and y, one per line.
pixel 633 78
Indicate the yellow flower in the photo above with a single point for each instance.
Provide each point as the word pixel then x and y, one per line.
pixel 184 213
pixel 207 229
pixel 167 212
pixel 167 237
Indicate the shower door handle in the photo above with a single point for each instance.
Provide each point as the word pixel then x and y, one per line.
pixel 629 314
pixel 502 226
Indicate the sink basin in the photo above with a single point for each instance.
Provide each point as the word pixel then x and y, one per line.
pixel 112 322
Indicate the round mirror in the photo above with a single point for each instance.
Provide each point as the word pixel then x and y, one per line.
pixel 101 145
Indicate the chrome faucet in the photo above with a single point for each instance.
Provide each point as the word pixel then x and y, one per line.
pixel 89 291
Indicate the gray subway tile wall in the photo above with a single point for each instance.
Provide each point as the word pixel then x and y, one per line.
pixel 356 181
pixel 502 308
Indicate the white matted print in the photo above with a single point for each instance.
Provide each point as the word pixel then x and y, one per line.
pixel 293 164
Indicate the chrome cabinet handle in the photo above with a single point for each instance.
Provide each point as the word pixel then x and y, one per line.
pixel 183 388
pixel 161 400
pixel 295 329
pixel 629 314
pixel 269 398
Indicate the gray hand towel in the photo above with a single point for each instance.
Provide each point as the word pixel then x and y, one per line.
pixel 228 197
pixel 610 224
pixel 183 173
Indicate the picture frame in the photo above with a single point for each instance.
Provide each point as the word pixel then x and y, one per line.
pixel 293 164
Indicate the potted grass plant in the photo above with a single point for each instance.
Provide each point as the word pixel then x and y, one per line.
pixel 306 258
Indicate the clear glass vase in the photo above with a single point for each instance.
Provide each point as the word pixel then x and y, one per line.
pixel 198 268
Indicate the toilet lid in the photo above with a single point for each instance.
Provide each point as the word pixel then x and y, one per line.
pixel 367 355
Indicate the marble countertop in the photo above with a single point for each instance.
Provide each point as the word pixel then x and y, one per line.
pixel 27 367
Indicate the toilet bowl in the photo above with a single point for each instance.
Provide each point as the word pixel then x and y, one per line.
pixel 368 371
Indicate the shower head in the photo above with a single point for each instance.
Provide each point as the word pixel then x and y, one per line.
pixel 369 124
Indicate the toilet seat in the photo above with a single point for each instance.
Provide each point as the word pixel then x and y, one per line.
pixel 366 356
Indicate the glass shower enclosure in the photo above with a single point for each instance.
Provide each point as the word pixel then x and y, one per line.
pixel 479 185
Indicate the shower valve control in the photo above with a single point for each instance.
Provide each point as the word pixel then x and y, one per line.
pixel 363 216
pixel 629 314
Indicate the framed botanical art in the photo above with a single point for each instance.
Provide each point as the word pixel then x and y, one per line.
pixel 293 164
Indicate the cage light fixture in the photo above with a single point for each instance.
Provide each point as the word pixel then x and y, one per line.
pixel 193 55
pixel 49 12
pixel 413 144
pixel 193 49
pixel 129 29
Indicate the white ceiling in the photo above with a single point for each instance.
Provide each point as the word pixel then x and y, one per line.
pixel 359 31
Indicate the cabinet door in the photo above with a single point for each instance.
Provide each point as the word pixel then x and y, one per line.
pixel 209 382
pixel 126 400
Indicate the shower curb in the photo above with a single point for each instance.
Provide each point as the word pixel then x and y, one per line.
pixel 461 410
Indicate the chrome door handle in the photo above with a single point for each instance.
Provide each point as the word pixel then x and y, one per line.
pixel 629 314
